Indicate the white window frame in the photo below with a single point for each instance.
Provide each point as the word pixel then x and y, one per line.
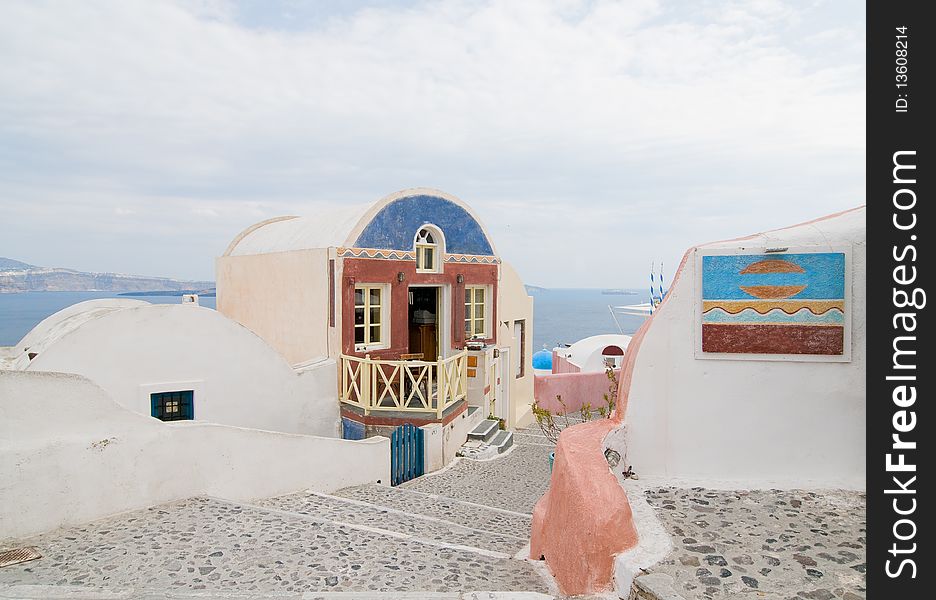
pixel 486 334
pixel 437 247
pixel 384 317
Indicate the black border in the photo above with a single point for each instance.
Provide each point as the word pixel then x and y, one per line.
pixel 890 131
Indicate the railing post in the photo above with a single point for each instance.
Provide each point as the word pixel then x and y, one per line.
pixel 463 374
pixel 344 379
pixel 440 385
pixel 366 384
pixel 403 402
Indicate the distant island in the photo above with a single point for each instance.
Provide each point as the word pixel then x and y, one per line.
pixel 533 290
pixel 17 276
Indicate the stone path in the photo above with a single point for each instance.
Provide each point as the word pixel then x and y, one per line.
pixel 450 533
pixel 763 544
pixel 213 545
pixel 513 481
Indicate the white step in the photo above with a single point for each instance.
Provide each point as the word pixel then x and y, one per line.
pixel 502 441
pixel 485 430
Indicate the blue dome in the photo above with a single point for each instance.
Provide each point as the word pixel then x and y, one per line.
pixel 542 360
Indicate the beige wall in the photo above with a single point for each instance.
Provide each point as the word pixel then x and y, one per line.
pixel 282 297
pixel 513 304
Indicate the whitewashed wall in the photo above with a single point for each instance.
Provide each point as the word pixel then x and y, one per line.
pixel 743 422
pixel 70 454
pixel 238 379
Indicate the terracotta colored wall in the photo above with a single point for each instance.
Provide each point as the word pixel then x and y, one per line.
pixel 584 519
pixel 361 270
pixel 576 389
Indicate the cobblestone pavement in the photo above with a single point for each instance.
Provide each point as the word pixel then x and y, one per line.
pixel 217 546
pixel 763 544
pixel 440 507
pixel 513 481
pixel 401 520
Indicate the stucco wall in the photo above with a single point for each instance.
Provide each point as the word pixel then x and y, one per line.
pixel 515 304
pixel 69 454
pixel 282 297
pixel 757 422
pixel 576 389
pixel 237 378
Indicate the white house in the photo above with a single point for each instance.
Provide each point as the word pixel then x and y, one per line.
pixel 182 362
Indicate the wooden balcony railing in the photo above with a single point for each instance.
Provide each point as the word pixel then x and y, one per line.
pixel 404 385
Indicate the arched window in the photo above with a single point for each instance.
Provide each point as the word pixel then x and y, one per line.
pixel 428 250
pixel 612 356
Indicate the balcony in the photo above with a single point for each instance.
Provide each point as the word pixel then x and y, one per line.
pixel 415 386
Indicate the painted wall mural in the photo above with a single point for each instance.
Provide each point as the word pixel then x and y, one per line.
pixel 774 303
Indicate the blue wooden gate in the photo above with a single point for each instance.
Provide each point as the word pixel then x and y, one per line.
pixel 406 453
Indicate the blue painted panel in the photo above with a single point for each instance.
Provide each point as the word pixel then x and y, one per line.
pixel 407 453
pixel 396 225
pixel 351 430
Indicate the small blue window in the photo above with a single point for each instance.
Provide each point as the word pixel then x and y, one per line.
pixel 173 406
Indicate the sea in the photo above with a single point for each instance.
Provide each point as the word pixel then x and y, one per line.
pixel 560 316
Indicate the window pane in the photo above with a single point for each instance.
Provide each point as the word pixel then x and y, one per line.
pixel 479 295
pixel 479 311
pixel 374 334
pixel 427 264
pixel 479 326
pixel 358 296
pixel 359 316
pixel 359 335
pixel 375 316
pixel 468 326
pixel 467 295
pixel 375 296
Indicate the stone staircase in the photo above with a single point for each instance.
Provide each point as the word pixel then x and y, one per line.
pixel 486 441
pixel 361 542
pixel 409 515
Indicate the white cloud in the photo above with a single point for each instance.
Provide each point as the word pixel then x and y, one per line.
pixel 631 130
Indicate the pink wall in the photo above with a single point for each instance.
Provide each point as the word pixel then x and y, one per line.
pixel 576 389
pixel 562 365
pixel 584 519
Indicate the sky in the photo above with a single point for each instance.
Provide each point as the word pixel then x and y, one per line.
pixel 592 137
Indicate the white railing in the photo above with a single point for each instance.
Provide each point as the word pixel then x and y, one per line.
pixel 404 385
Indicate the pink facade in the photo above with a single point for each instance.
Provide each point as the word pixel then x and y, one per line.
pixel 575 389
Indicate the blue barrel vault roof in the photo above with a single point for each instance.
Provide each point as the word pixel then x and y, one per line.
pixel 395 226
pixel 391 223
